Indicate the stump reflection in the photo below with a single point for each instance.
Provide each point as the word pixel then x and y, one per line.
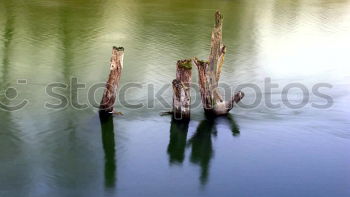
pixel 108 142
pixel 200 143
pixel 177 142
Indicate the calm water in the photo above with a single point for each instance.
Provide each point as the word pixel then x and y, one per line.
pixel 254 152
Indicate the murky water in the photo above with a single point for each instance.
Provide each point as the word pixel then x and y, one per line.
pixel 254 152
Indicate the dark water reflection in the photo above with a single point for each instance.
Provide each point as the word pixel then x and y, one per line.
pixel 202 148
pixel 177 142
pixel 107 129
pixel 200 143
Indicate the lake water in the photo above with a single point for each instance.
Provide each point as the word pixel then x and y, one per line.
pixel 256 151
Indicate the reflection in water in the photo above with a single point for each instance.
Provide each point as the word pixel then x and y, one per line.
pixel 200 143
pixel 234 127
pixel 202 148
pixel 177 143
pixel 107 129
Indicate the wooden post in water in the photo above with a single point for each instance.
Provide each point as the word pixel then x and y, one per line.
pixel 209 74
pixel 110 92
pixel 181 90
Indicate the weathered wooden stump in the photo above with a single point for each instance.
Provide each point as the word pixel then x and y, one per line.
pixel 181 90
pixel 110 92
pixel 209 74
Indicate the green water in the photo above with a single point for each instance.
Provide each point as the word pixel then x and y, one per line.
pixel 254 152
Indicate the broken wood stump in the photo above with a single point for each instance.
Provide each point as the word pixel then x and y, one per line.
pixel 110 92
pixel 209 74
pixel 181 90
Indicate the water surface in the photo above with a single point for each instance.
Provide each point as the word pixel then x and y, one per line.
pixel 253 152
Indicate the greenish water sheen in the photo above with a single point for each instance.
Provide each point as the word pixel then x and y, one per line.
pixel 254 152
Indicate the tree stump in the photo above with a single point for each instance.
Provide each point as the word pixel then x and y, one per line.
pixel 209 74
pixel 110 92
pixel 181 90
